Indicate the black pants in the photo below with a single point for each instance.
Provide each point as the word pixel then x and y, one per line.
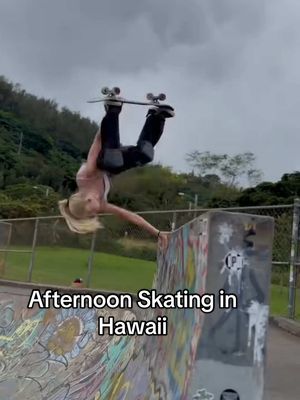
pixel 128 156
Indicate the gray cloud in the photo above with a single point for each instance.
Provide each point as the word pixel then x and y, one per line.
pixel 123 37
pixel 231 67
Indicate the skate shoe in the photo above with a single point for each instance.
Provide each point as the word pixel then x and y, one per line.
pixel 164 111
pixel 112 105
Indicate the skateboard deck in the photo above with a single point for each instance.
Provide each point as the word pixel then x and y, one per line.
pixel 112 95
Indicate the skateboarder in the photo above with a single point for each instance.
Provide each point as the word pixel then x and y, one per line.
pixel 107 158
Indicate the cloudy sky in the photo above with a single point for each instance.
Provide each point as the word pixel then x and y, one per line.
pixel 231 68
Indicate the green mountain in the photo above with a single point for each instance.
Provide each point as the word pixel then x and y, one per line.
pixel 42 147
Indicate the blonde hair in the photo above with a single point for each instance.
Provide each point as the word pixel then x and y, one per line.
pixel 74 213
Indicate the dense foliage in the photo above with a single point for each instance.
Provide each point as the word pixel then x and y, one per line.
pixel 42 146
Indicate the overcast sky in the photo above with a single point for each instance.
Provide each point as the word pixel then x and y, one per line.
pixel 231 68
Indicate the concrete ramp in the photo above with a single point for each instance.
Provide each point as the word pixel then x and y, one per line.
pixel 230 359
pixel 57 354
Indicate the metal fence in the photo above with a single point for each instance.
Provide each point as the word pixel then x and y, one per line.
pixel 43 250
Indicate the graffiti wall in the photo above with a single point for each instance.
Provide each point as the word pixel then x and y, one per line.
pixel 231 351
pixel 57 354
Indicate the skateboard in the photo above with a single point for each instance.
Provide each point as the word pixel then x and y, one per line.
pixel 113 95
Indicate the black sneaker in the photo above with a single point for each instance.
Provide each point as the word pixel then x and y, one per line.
pixel 164 111
pixel 113 105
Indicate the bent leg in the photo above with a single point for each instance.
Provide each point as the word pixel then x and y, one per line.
pixel 143 152
pixel 152 129
pixel 110 132
pixel 110 156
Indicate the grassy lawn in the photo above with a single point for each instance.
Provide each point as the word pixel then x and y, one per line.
pixel 61 265
pixel 129 243
pixel 279 301
pixel 110 272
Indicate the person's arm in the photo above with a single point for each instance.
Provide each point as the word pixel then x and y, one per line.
pixel 131 217
pixel 91 163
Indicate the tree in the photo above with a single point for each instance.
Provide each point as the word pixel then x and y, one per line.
pixel 147 188
pixel 7 162
pixel 230 168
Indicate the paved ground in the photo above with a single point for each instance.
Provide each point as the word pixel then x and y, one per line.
pixel 283 372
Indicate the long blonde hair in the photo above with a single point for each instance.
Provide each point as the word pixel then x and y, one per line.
pixel 74 213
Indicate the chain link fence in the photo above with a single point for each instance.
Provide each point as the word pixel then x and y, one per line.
pixel 5 235
pixel 122 256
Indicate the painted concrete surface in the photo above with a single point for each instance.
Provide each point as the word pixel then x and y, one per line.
pixel 231 350
pixel 57 354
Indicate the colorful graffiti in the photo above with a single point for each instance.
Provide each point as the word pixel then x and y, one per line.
pixel 57 353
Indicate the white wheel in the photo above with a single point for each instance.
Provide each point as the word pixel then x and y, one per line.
pixel 116 90
pixel 161 97
pixel 150 96
pixel 105 90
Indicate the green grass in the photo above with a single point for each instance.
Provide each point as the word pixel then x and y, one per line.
pixel 110 272
pixel 61 265
pixel 279 301
pixel 129 243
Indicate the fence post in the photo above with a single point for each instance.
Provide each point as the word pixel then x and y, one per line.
pixel 293 259
pixel 32 259
pixel 91 259
pixel 195 205
pixel 8 243
pixel 173 226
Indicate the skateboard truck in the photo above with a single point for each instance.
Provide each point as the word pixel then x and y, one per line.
pixel 156 99
pixel 106 91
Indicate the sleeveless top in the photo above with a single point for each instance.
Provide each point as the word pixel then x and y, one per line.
pixel 107 186
pixel 105 180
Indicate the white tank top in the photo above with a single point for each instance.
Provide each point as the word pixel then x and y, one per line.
pixel 107 186
pixel 90 183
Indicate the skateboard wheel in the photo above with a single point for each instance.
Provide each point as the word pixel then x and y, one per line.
pixel 105 90
pixel 150 96
pixel 161 97
pixel 116 90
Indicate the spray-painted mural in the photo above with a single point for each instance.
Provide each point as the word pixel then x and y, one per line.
pixel 58 355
